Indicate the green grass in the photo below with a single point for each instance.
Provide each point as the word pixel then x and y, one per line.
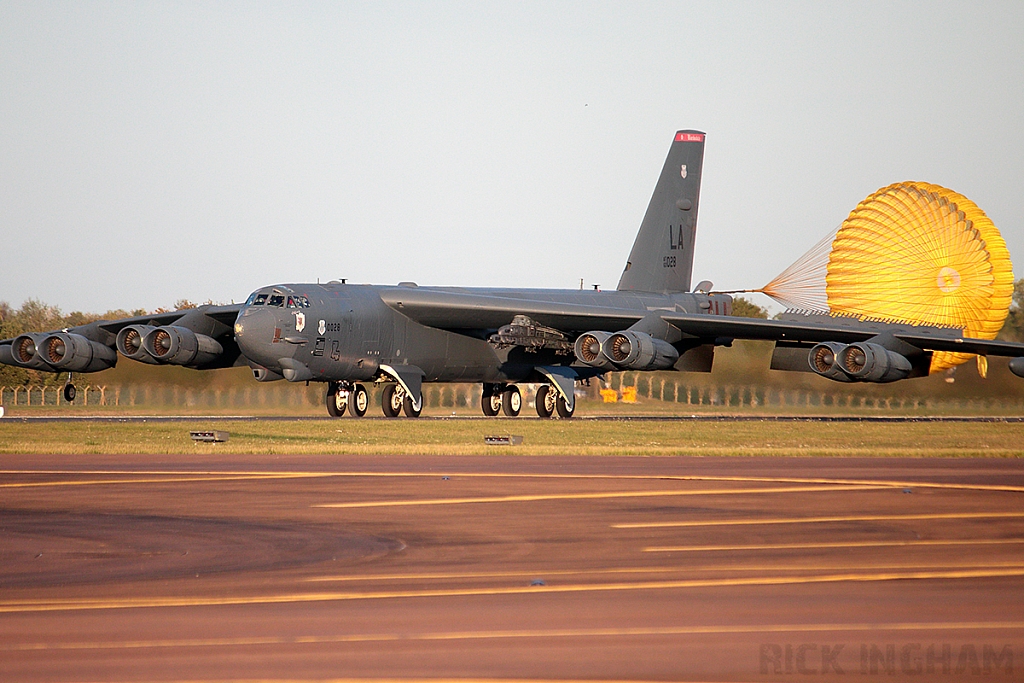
pixel 541 437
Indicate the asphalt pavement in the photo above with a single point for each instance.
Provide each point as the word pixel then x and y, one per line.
pixel 309 568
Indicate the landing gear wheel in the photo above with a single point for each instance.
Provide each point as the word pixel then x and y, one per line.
pixel 490 401
pixel 336 399
pixel 409 408
pixel 391 400
pixel 70 392
pixel 563 408
pixel 360 400
pixel 511 401
pixel 546 397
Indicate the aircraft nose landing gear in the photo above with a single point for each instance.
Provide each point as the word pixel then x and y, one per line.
pixel 341 396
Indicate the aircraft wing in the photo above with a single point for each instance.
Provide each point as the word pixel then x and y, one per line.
pixel 819 328
pixel 224 315
pixel 455 310
pixel 215 322
pixel 460 310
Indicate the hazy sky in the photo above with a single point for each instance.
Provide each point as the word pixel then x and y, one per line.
pixel 156 151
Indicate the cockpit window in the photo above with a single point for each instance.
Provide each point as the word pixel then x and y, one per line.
pixel 276 300
pixel 259 300
pixel 301 301
pixel 291 302
pixel 252 297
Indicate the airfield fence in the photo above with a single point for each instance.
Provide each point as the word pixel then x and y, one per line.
pixel 646 388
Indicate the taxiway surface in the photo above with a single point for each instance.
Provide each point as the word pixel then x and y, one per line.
pixel 222 567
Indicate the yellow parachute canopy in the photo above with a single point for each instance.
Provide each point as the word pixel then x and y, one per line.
pixel 911 252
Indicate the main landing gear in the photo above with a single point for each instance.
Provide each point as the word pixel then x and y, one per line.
pixel 508 399
pixel 549 401
pixel 343 395
pixel 395 400
pixel 503 397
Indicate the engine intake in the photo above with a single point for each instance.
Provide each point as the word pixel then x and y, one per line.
pixel 25 351
pixel 74 353
pixel 823 359
pixel 130 343
pixel 588 350
pixel 181 346
pixel 639 351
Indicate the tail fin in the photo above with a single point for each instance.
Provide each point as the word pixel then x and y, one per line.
pixel 662 256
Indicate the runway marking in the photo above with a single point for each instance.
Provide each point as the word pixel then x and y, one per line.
pixel 817 520
pixel 513 634
pixel 22 606
pixel 586 496
pixel 847 544
pixel 270 474
pixel 688 569
pixel 106 482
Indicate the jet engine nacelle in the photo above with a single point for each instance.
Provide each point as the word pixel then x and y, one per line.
pixel 824 360
pixel 129 343
pixel 633 350
pixel 588 350
pixel 869 362
pixel 181 346
pixel 74 353
pixel 25 351
pixel 859 362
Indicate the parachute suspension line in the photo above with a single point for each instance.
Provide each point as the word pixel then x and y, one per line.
pixel 802 285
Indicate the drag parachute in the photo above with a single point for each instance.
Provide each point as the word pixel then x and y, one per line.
pixel 910 252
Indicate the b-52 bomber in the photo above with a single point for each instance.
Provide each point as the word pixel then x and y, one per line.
pixel 347 335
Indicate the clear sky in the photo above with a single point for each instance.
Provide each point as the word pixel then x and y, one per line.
pixel 151 152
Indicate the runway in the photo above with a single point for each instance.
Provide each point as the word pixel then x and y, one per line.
pixel 331 567
pixel 703 417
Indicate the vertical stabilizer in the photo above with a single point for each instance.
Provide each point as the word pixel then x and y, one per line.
pixel 662 255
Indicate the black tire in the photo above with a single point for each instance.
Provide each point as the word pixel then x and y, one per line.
pixel 360 400
pixel 70 392
pixel 490 400
pixel 391 400
pixel 565 411
pixel 546 398
pixel 409 409
pixel 336 400
pixel 511 401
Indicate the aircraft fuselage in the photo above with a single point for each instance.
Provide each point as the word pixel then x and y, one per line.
pixel 346 331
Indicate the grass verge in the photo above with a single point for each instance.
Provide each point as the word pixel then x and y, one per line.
pixel 540 437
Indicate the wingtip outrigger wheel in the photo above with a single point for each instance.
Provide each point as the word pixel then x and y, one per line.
pixel 69 390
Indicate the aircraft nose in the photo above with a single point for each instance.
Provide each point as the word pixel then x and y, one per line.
pixel 255 329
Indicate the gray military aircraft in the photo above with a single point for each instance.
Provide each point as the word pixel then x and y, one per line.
pixel 346 335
